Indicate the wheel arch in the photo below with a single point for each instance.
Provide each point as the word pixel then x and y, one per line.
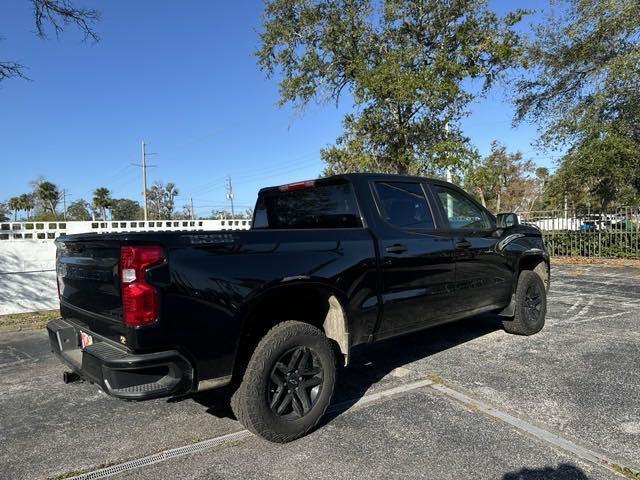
pixel 534 260
pixel 537 262
pixel 311 301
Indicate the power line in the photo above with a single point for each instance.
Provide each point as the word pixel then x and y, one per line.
pixel 208 186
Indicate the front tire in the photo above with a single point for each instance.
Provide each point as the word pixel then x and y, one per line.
pixel 531 305
pixel 288 383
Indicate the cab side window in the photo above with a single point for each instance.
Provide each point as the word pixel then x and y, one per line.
pixel 460 210
pixel 404 204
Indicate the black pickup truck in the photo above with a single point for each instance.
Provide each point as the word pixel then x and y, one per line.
pixel 273 311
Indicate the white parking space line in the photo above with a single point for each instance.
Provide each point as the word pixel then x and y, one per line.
pixel 598 458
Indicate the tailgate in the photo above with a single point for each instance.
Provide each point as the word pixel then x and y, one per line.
pixel 87 273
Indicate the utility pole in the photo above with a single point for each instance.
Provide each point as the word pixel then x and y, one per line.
pixel 449 176
pixel 144 181
pixel 193 215
pixel 230 196
pixel 144 166
pixel 64 204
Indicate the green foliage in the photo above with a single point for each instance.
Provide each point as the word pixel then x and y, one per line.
pixel 46 216
pixel 411 67
pixel 14 204
pixel 4 212
pixel 583 88
pixel 78 210
pixel 125 209
pixel 102 200
pixel 582 76
pixel 599 171
pixel 505 182
pixel 607 244
pixel 48 194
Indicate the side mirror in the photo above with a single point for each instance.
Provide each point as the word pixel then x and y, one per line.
pixel 505 220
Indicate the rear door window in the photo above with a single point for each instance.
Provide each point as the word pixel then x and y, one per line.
pixel 321 206
pixel 404 205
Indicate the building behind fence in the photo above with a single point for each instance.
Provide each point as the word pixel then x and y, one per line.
pixel 611 234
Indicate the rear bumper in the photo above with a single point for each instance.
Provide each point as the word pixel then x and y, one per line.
pixel 117 371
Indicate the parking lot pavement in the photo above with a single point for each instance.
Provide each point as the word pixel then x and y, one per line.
pixel 414 435
pixel 578 378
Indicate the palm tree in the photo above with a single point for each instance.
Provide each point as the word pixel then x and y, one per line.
pixel 48 193
pixel 14 204
pixel 102 200
pixel 171 192
pixel 27 203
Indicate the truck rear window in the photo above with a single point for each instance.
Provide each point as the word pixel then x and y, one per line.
pixel 321 206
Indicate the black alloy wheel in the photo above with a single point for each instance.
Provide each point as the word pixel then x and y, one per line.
pixel 288 382
pixel 533 303
pixel 295 383
pixel 530 305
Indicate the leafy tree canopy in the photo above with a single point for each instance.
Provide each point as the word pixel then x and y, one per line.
pixel 125 209
pixel 504 181
pixel 582 87
pixel 78 210
pixel 598 172
pixel 411 67
pixel 582 76
pixel 4 212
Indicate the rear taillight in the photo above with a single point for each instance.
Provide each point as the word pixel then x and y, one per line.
pixel 139 298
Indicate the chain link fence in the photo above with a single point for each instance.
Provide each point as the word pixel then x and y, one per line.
pixel 611 234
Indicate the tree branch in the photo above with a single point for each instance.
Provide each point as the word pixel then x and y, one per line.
pixel 11 70
pixel 58 13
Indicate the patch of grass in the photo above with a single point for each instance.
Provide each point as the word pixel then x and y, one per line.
pixel 627 472
pixel 27 321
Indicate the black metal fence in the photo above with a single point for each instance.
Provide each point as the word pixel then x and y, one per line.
pixel 611 234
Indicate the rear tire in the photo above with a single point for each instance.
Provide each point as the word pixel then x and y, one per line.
pixel 531 305
pixel 288 383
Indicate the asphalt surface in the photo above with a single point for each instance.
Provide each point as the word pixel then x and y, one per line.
pixel 578 379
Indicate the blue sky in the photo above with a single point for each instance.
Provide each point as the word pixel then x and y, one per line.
pixel 182 77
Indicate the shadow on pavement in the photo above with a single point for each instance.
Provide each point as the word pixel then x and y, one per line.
pixel 563 472
pixel 371 363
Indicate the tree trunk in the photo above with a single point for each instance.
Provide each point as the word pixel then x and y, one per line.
pixel 498 202
pixel 481 195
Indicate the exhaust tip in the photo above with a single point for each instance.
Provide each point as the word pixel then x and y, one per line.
pixel 70 377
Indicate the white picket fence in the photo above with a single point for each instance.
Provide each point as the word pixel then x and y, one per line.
pixel 27 254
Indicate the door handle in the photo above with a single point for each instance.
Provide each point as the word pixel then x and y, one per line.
pixel 396 248
pixel 463 244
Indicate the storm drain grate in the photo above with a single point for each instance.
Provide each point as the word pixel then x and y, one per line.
pixel 162 456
